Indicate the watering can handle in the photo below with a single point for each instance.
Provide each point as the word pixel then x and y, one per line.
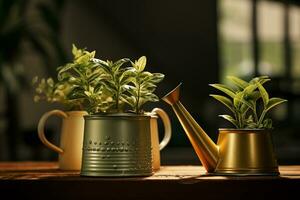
pixel 167 126
pixel 41 129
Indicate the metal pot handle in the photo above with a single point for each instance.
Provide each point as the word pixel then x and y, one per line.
pixel 167 126
pixel 41 126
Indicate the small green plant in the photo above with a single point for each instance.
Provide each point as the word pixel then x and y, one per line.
pixel 85 78
pixel 143 85
pixel 243 100
pixel 98 86
pixel 115 82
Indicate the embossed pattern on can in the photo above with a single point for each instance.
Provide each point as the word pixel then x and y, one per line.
pixel 117 145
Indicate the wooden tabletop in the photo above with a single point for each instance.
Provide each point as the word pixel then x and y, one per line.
pixel 43 180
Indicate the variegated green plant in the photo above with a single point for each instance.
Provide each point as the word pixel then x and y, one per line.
pixel 243 99
pixel 50 91
pixel 77 86
pixel 86 79
pixel 143 84
pixel 98 86
pixel 115 82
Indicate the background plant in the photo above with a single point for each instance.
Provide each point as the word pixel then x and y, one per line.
pixel 48 90
pixel 242 99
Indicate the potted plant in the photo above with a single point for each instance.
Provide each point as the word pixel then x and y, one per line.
pixel 246 149
pixel 249 103
pixel 117 138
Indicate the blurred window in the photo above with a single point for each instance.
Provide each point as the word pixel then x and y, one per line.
pixel 262 37
pixel 235 38
pixel 295 40
pixel 270 29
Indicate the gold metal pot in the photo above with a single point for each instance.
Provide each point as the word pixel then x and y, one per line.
pixel 246 152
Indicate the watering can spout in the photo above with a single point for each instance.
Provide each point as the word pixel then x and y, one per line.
pixel 205 148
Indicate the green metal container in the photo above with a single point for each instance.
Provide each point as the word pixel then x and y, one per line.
pixel 117 145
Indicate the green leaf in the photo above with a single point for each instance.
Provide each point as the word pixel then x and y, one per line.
pixel 254 96
pixel 141 63
pixel 224 100
pixel 83 59
pixel 238 82
pixel 92 77
pixel 131 90
pixel 244 108
pixel 264 94
pixel 260 79
pixel 227 90
pixel 130 100
pixel 151 97
pixel 99 62
pixel 127 76
pixel 249 89
pixel 116 65
pixel 274 102
pixel 240 103
pixel 63 69
pixel 267 124
pixel 157 77
pixel 237 100
pixel 74 50
pixel 250 123
pixel 230 119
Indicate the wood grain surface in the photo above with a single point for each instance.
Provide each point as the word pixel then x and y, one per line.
pixel 43 180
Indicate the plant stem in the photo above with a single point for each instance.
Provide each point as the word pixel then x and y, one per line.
pixel 117 98
pixel 138 99
pixel 240 120
pixel 237 119
pixel 255 114
pixel 262 116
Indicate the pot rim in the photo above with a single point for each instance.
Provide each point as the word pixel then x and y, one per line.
pixel 76 112
pixel 243 130
pixel 117 115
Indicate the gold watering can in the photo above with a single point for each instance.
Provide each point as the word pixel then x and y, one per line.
pixel 238 151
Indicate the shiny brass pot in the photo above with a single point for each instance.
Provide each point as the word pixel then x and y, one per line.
pixel 117 145
pixel 246 152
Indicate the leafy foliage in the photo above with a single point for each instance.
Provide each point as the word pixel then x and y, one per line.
pixel 101 86
pixel 48 90
pixel 143 85
pixel 242 100
pixel 84 77
pixel 115 82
